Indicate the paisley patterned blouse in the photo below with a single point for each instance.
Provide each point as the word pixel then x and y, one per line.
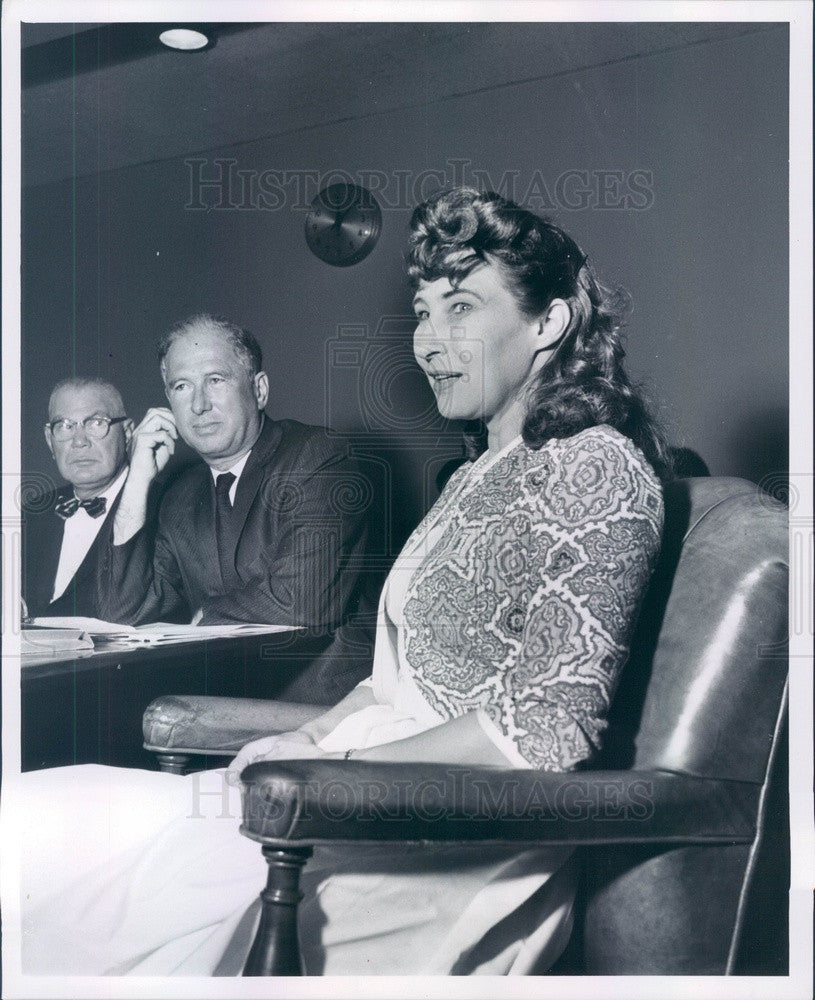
pixel 524 606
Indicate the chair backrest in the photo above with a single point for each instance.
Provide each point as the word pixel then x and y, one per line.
pixel 703 694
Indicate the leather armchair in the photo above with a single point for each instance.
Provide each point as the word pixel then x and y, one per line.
pixel 178 727
pixel 679 819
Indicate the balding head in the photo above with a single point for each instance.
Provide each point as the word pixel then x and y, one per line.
pixel 107 392
pixel 242 342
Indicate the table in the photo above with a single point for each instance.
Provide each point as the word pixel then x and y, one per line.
pixel 86 707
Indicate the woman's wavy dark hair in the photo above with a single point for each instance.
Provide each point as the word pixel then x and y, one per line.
pixel 584 382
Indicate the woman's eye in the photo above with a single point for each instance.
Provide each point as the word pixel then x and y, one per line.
pixel 421 315
pixel 461 307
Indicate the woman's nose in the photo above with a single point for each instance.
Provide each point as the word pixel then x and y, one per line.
pixel 426 342
pixel 426 352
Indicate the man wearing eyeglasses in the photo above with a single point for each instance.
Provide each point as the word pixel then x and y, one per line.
pixel 67 529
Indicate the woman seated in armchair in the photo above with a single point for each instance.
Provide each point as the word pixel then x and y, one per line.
pixel 503 627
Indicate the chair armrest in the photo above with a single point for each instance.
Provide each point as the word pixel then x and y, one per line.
pixel 201 724
pixel 314 801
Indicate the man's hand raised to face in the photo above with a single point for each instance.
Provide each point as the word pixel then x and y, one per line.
pixel 151 446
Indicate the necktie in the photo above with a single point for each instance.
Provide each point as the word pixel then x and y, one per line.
pixel 95 507
pixel 223 514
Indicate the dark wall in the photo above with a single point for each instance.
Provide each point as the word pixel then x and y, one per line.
pixel 701 245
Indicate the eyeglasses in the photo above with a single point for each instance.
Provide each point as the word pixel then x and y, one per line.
pixel 94 426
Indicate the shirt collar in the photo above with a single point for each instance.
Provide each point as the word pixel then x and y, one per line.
pixel 235 469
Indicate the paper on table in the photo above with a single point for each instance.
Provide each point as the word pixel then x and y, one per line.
pixel 160 631
pixel 94 626
pixel 164 632
pixel 54 640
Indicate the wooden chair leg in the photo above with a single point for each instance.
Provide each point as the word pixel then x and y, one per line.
pixel 173 763
pixel 276 950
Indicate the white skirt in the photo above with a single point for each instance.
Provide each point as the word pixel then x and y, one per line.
pixel 133 872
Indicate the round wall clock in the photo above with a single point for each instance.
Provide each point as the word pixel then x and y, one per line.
pixel 343 224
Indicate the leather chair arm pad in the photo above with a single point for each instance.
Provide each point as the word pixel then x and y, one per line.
pixel 312 801
pixel 199 723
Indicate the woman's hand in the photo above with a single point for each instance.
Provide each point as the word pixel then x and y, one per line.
pixel 283 746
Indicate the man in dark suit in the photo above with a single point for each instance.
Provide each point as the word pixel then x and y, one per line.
pixel 66 528
pixel 260 531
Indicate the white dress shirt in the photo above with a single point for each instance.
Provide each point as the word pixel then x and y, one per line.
pixel 236 471
pixel 79 533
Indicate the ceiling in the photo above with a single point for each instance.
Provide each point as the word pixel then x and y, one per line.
pixel 38 33
pixel 107 96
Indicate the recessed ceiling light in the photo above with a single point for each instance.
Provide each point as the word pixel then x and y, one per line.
pixel 184 39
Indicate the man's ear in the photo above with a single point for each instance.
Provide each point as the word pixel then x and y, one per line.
pixel 49 441
pixel 553 324
pixel 261 387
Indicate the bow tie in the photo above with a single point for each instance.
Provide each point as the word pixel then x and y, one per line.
pixel 68 507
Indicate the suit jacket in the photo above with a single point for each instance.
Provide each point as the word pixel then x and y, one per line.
pixel 42 541
pixel 295 547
